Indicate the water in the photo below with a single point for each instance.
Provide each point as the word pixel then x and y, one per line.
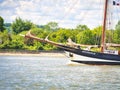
pixel 53 73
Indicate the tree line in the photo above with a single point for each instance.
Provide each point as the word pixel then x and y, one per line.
pixel 10 35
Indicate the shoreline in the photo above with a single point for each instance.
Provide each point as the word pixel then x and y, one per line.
pixel 43 53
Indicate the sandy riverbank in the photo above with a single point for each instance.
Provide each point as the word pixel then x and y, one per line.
pixel 51 54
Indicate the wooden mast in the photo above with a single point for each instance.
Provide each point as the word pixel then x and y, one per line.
pixel 104 26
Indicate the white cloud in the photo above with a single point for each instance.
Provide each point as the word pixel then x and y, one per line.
pixel 8 3
pixel 67 13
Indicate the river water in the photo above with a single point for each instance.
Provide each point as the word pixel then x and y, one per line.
pixel 54 73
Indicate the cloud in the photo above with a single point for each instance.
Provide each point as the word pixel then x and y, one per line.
pixel 68 13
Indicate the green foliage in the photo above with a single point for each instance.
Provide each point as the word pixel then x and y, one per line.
pixel 15 43
pixel 20 25
pixel 86 37
pixel 1 24
pixel 82 27
pixel 81 34
pixel 97 35
pixel 38 45
pixel 5 36
pixel 61 35
pixel 53 25
pixel 50 27
pixel 117 33
pixel 118 26
pixel 49 47
pixel 39 32
pixel 109 36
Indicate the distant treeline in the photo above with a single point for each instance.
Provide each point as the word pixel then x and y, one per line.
pixel 10 35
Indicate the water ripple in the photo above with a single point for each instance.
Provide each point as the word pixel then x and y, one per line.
pixel 49 73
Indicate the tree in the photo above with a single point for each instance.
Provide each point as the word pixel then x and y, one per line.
pixel 52 25
pixel 97 35
pixel 1 24
pixel 20 25
pixel 117 33
pixel 15 43
pixel 86 37
pixel 82 27
pixel 61 35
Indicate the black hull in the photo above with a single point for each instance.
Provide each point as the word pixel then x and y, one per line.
pixel 91 54
pixel 106 59
pixel 96 62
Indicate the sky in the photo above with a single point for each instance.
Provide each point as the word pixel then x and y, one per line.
pixel 67 13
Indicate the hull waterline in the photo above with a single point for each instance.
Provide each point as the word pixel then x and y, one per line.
pixel 96 62
pixel 90 60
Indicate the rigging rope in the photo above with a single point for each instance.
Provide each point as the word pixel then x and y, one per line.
pixel 98 37
pixel 113 16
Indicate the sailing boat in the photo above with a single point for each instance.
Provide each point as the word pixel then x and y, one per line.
pixel 85 56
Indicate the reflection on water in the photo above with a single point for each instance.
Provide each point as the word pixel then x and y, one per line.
pixel 51 73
